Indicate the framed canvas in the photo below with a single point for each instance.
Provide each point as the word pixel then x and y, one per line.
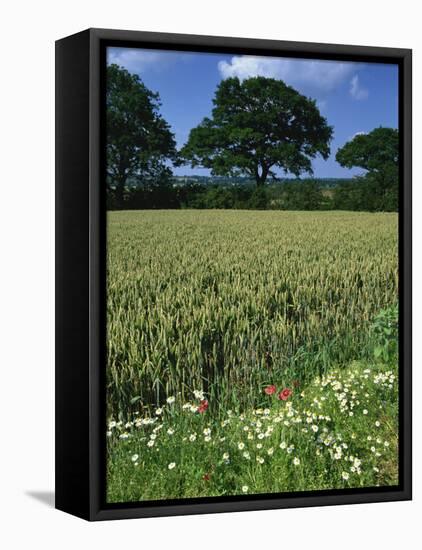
pixel 233 274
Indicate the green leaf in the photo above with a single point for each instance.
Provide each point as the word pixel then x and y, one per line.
pixel 378 352
pixel 135 399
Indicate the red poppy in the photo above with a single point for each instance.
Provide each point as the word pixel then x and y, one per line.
pixel 203 406
pixel 269 390
pixel 285 394
pixel 206 477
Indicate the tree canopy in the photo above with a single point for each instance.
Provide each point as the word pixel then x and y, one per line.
pixel 139 140
pixel 374 152
pixel 378 154
pixel 257 125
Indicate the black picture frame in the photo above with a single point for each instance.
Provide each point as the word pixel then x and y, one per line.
pixel 80 273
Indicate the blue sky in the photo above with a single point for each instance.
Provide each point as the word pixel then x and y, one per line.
pixel 354 97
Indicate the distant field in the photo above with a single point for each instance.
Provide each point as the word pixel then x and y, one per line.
pixel 228 301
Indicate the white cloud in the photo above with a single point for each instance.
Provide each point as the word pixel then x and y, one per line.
pixel 360 133
pixel 356 90
pixel 136 60
pixel 320 75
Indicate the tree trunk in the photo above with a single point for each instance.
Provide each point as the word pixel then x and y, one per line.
pixel 261 178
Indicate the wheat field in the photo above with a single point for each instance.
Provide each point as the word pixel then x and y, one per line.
pixel 226 301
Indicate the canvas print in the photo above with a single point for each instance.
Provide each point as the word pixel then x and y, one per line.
pixel 252 275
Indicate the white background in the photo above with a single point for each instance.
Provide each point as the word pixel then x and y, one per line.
pixel 29 29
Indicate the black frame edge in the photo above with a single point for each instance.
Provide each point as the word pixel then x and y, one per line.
pixel 72 418
pixel 406 275
pixel 224 43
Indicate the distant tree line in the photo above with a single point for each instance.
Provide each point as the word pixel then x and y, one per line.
pixel 257 125
pixel 355 194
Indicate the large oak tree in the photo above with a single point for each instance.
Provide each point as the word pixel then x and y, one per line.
pixel 139 140
pixel 376 152
pixel 257 125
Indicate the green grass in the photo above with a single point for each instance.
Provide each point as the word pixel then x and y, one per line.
pixel 339 432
